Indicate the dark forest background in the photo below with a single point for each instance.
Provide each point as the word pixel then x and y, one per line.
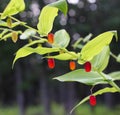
pixel 30 82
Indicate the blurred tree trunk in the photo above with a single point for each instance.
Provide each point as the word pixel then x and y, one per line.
pixel 20 95
pixel 70 97
pixel 1 88
pixel 44 91
pixel 108 100
pixel 29 92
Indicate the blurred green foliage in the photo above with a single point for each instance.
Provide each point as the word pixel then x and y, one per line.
pixel 59 110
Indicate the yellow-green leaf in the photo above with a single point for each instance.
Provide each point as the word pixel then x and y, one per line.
pixel 100 61
pixel 9 35
pixel 14 24
pixel 95 46
pixel 14 7
pixel 115 75
pixel 65 56
pixel 48 15
pixel 25 51
pixel 61 39
pixel 88 78
pixel 61 5
pixel 46 20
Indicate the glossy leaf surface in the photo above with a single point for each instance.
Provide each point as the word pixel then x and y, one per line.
pixel 91 78
pixel 115 75
pixel 100 61
pixel 61 39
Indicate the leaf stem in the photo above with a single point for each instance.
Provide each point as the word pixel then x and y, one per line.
pixel 6 29
pixel 66 51
pixel 113 55
pixel 23 24
pixel 112 83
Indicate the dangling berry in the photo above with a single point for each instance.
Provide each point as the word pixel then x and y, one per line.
pixel 51 38
pixel 72 65
pixel 14 36
pixel 87 66
pixel 92 100
pixel 51 63
pixel 9 22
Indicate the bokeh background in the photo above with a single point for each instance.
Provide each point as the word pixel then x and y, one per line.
pixel 28 88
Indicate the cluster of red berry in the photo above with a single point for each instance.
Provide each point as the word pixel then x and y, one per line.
pixel 51 61
pixel 72 66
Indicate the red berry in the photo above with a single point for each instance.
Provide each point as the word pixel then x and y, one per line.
pixel 51 63
pixel 87 66
pixel 92 100
pixel 51 38
pixel 72 65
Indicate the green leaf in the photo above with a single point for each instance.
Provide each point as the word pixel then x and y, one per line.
pixel 78 43
pixel 87 38
pixel 44 50
pixel 25 51
pixel 46 20
pixel 99 92
pixel 14 7
pixel 88 78
pixel 61 39
pixel 100 61
pixel 3 33
pixel 4 24
pixel 48 15
pixel 118 58
pixel 115 75
pixel 36 42
pixel 115 34
pixel 8 35
pixel 95 46
pixel 64 56
pixel 27 33
pixel 61 5
pixel 22 52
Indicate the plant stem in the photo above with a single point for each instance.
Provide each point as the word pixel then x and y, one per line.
pixel 102 75
pixel 66 51
pixel 112 83
pixel 6 29
pixel 113 55
pixel 23 24
pixel 76 43
pixel 37 37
